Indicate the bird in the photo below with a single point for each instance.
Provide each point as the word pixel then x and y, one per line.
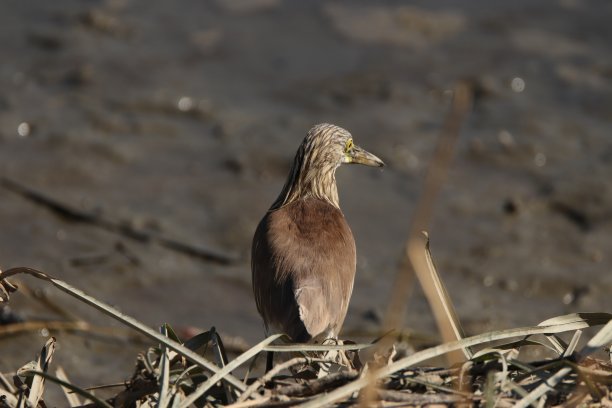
pixel 303 256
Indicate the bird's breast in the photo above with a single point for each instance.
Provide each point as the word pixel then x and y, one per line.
pixel 312 232
pixel 303 267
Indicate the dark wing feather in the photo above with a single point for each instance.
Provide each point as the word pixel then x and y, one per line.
pixel 303 265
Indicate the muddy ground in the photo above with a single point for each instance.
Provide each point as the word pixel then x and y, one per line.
pixel 180 119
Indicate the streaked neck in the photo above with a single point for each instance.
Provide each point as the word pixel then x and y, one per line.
pixel 308 179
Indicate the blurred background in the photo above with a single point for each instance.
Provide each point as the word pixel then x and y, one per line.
pixel 179 121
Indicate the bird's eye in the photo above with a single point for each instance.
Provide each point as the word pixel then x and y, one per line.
pixel 349 145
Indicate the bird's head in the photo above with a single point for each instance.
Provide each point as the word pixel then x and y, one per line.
pixel 328 146
pixel 322 151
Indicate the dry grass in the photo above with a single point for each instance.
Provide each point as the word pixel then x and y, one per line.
pixel 175 373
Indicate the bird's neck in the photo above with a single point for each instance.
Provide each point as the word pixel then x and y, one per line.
pixel 302 183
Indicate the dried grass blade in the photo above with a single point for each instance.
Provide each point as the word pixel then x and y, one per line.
pixel 543 388
pixel 219 349
pixel 37 387
pixel 127 320
pixel 558 344
pixel 438 387
pixel 176 400
pixel 595 318
pixel 517 388
pixel 170 333
pixel 602 338
pixel 76 326
pixel 573 343
pixel 250 368
pixel 489 390
pixel 202 388
pixel 251 403
pixel 73 400
pixel 292 348
pixel 71 387
pixel 6 288
pixel 452 320
pixel 542 402
pixel 567 323
pixel 6 384
pixel 527 368
pixel 199 340
pixel 9 399
pixel 22 401
pixel 524 342
pixel 164 376
pixel 411 263
pixel 274 371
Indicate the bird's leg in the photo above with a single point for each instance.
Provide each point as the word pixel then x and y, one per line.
pixel 269 361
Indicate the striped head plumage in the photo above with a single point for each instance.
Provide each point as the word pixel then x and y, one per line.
pixel 322 151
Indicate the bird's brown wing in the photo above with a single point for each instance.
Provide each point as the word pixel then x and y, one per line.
pixel 273 290
pixel 303 265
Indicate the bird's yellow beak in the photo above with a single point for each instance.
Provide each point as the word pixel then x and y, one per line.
pixel 358 155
